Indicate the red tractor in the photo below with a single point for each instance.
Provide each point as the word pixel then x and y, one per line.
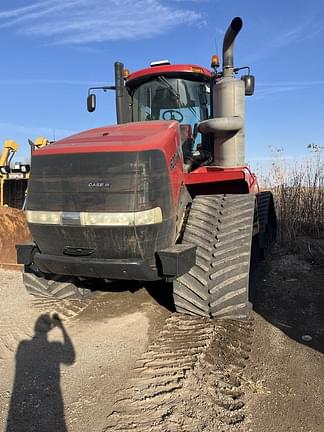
pixel 163 195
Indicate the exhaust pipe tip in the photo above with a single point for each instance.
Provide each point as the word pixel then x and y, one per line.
pixel 236 24
pixel 228 44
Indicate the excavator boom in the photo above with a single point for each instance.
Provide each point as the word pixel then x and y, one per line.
pixel 10 147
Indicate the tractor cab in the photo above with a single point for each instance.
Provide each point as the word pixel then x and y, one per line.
pixel 174 92
pixel 168 92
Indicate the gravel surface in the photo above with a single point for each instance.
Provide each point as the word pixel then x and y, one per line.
pixel 123 360
pixel 64 377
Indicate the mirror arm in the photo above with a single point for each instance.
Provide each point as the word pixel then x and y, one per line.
pixel 104 88
pixel 92 96
pixel 236 70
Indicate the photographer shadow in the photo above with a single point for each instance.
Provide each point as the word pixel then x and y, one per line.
pixel 36 403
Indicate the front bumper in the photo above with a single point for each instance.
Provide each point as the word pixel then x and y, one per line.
pixel 170 264
pixel 96 268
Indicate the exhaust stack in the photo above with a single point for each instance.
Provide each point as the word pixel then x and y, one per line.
pixel 228 116
pixel 122 97
pixel 228 46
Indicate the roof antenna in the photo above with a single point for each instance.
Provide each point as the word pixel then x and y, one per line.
pixel 216 45
pixel 215 57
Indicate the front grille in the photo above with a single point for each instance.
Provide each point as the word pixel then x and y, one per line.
pixel 114 181
pixel 101 182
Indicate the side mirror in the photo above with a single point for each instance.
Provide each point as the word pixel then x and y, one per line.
pixel 249 82
pixel 91 102
pixel 195 131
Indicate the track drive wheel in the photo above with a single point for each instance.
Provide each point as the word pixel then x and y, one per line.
pixel 268 223
pixel 218 285
pixel 53 286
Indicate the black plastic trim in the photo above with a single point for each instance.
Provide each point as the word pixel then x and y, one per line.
pixel 131 269
pixel 25 252
pixel 177 260
pixel 171 263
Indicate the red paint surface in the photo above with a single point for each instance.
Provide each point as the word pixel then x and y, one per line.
pixel 212 174
pixel 130 137
pixel 169 69
pixel 153 135
pixel 137 136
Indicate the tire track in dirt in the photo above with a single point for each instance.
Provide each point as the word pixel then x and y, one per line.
pixel 67 309
pixel 11 336
pixel 13 332
pixel 188 380
pixel 20 311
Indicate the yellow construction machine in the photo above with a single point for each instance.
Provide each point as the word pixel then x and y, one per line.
pixel 14 176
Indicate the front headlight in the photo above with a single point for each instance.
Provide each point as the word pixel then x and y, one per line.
pixel 145 217
pixel 148 217
pixel 44 217
pixel 103 219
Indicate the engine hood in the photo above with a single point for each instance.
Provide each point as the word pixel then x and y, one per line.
pixel 113 175
pixel 140 136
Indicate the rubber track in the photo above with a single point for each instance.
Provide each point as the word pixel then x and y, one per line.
pixel 19 314
pixel 189 377
pixel 263 201
pixel 217 286
pixel 57 287
pixel 266 215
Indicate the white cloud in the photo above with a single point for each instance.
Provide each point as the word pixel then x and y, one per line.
pixel 308 29
pixel 290 83
pixel 14 13
pixel 45 81
pixel 264 89
pixel 86 21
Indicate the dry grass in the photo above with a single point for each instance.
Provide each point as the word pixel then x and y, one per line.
pixel 298 189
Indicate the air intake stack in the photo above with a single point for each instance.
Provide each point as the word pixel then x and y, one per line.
pixel 228 117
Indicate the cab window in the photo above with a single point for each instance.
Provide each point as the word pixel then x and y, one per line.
pixel 164 98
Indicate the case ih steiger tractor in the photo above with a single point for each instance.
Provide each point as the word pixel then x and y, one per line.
pixel 162 195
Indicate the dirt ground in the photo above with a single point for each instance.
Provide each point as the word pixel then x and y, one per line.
pixel 123 360
pixel 13 230
pixel 286 365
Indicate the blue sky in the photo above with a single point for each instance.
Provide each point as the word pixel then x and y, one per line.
pixel 52 50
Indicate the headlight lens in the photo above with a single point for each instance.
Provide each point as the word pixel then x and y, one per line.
pixel 148 217
pixel 103 219
pixel 145 217
pixel 44 217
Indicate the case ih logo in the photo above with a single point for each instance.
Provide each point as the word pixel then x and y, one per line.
pixel 98 185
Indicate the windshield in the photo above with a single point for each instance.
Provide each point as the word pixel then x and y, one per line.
pixel 171 99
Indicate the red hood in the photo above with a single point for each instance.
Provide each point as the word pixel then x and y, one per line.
pixel 138 136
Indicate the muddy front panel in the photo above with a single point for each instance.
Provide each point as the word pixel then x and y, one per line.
pixel 84 199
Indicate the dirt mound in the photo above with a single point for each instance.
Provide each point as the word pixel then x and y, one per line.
pixel 13 230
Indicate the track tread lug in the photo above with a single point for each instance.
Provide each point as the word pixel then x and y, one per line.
pixel 55 288
pixel 217 286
